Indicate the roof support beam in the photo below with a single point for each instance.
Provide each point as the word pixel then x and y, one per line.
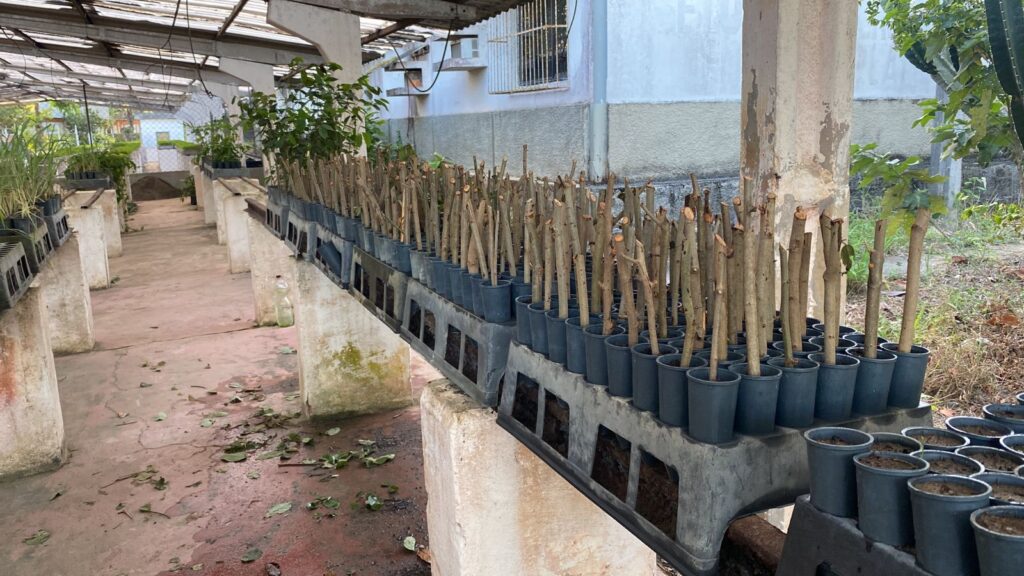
pixel 37 70
pixel 179 95
pixel 127 62
pixel 387 30
pixel 401 9
pixel 136 33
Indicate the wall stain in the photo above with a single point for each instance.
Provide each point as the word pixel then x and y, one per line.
pixel 8 382
pixel 832 134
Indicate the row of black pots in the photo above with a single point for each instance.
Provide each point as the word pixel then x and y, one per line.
pixel 898 502
pixel 86 175
pixel 49 206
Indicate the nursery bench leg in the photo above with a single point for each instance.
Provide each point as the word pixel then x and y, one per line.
pixel 67 300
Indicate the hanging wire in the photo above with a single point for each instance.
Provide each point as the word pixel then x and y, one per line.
pixel 440 66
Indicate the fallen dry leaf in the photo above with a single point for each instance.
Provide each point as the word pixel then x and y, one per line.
pixel 424 554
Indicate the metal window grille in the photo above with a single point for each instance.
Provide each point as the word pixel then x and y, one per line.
pixel 527 48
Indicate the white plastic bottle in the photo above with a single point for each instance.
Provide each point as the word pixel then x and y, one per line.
pixel 282 304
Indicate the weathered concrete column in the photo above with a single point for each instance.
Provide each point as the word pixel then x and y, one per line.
pixel 91 231
pixel 797 98
pixel 494 507
pixel 220 194
pixel 335 34
pixel 268 259
pixel 111 222
pixel 349 363
pixel 209 205
pixel 197 179
pixel 259 76
pixel 236 223
pixel 31 423
pixel 67 300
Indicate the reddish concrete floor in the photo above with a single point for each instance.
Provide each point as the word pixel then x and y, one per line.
pixel 142 400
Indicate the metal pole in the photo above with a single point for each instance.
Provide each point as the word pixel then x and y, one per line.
pixel 88 120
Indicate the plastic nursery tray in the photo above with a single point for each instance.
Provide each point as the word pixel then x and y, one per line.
pixel 300 236
pixel 37 244
pixel 57 225
pixel 816 539
pixel 470 352
pixel 379 287
pixel 676 494
pixel 276 218
pixel 215 173
pixel 333 256
pixel 15 273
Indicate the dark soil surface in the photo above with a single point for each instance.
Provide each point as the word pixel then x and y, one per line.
pixel 936 439
pixel 1007 413
pixel 892 447
pixel 834 441
pixel 996 462
pixel 947 488
pixel 886 463
pixel 948 466
pixel 1002 524
pixel 1008 493
pixel 980 430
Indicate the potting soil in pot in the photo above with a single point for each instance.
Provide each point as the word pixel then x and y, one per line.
pixel 834 441
pixel 936 439
pixel 887 462
pixel 945 466
pixel 948 488
pixel 1008 493
pixel 995 462
pixel 891 447
pixel 1008 525
pixel 979 430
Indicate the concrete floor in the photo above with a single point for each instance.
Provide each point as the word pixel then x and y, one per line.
pixel 176 346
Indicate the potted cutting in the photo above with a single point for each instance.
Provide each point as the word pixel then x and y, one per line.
pixel 28 161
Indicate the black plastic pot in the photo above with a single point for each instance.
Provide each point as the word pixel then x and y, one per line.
pixel 455 284
pixel 942 527
pixel 798 386
pixel 403 257
pixel 673 333
pixel 757 399
pixel 472 294
pixel 712 404
pixel 936 438
pixel 523 320
pixel 842 344
pixel 874 376
pixel 1013 443
pixel 723 363
pixel 416 262
pixel 1009 415
pixel 520 289
pixel 619 364
pixel 538 328
pixel 833 477
pixel 940 460
pixel 497 301
pixel 575 345
pixel 993 459
pixel 904 444
pixel 597 363
pixel 998 479
pixel 883 502
pixel 557 349
pixel 858 339
pixel 908 376
pixel 999 553
pixel 995 430
pixel 645 375
pixel 808 349
pixel 673 389
pixel 836 384
pixel 1020 398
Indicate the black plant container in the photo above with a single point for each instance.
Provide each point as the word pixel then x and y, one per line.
pixel 712 404
pixel 836 384
pixel 999 553
pixel 995 479
pixel 673 389
pixel 645 375
pixel 937 459
pixel 906 444
pixel 858 339
pixel 833 476
pixel 557 344
pixel 808 349
pixel 620 365
pixel 597 362
pixel 798 386
pixel 523 320
pixel 1013 443
pixel 757 399
pixel 874 377
pixel 995 429
pixel 575 344
pixel 993 459
pixel 538 328
pixel 1010 415
pixel 908 376
pixel 883 502
pixel 942 525
pixel 951 441
pixel 497 301
pixel 723 363
pixel 456 284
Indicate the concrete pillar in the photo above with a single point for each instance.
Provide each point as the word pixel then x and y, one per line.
pixel 797 98
pixel 209 205
pixel 67 300
pixel 111 222
pixel 31 423
pixel 268 259
pixel 90 228
pixel 335 34
pixel 236 224
pixel 259 76
pixel 349 363
pixel 197 179
pixel 220 194
pixel 494 507
pixel 227 93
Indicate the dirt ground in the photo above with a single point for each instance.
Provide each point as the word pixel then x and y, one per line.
pixel 181 378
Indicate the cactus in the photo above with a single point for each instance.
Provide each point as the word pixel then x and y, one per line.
pixel 1006 36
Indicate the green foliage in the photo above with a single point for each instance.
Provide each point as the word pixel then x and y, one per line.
pixel 905 184
pixel 75 119
pixel 188 188
pixel 183 145
pixel 318 119
pixel 990 222
pixel 28 167
pixel 1006 37
pixel 217 141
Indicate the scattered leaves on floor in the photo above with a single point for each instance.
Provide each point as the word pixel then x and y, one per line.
pixel 206 422
pixel 332 431
pixel 149 476
pixel 372 502
pixel 273 569
pixel 253 474
pixel 424 554
pixel 216 414
pixel 371 461
pixel 57 494
pixel 271 454
pixel 252 555
pixel 234 457
pixel 280 508
pixel 197 567
pixel 160 416
pixel 292 396
pixel 40 537
pixel 392 489
pixel 323 502
pixel 194 484
pixel 286 350
pixel 409 543
pixel 145 384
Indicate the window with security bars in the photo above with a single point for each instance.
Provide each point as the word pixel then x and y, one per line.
pixel 527 48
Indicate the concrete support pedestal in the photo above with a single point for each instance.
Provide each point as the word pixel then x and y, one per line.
pixel 31 424
pixel 221 194
pixel 90 228
pixel 236 223
pixel 494 507
pixel 111 222
pixel 197 180
pixel 797 103
pixel 349 363
pixel 334 33
pixel 67 300
pixel 208 203
pixel 268 259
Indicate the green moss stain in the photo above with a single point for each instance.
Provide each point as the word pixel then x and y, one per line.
pixel 362 381
pixel 349 358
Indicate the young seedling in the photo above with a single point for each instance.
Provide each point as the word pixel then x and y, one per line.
pixel 874 297
pixel 910 301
